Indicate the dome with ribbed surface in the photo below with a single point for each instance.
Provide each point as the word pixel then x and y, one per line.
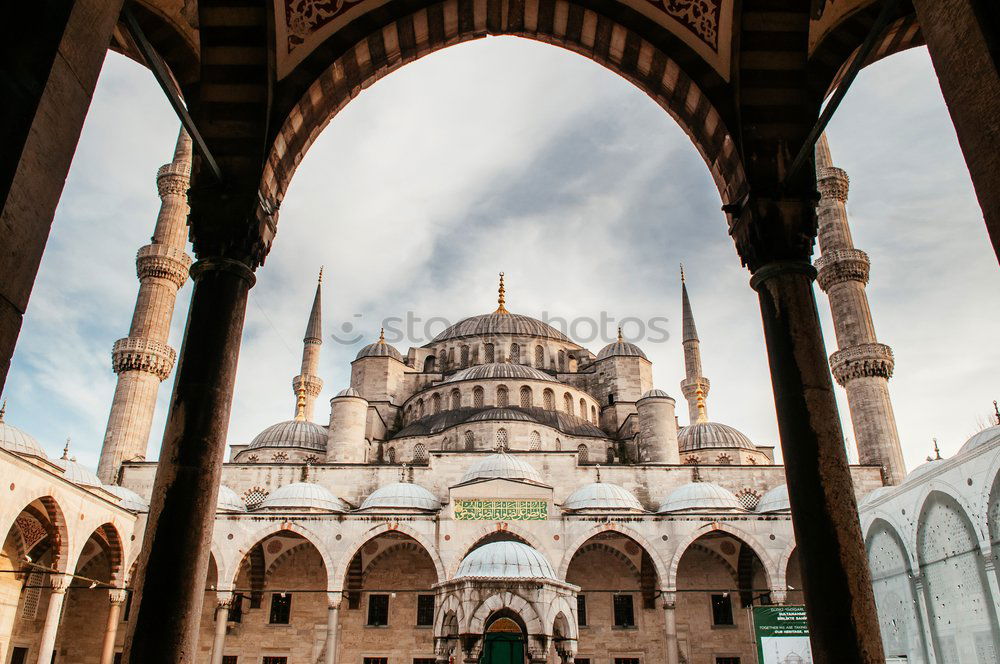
pixel 502 466
pixel 500 371
pixel 349 392
pixel 923 469
pixel 602 496
pixel 509 560
pixel 76 473
pixel 707 435
pixel 127 498
pixel 293 433
pixel 620 349
pixel 229 501
pixel 303 495
pixel 505 323
pixel 775 500
pixel 15 440
pixel 509 414
pixel 874 495
pixel 981 439
pixel 402 496
pixel 655 394
pixel 379 349
pixel 699 496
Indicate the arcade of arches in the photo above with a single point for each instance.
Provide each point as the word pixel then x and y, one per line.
pixel 746 80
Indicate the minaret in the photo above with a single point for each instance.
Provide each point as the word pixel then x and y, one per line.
pixel 694 386
pixel 308 382
pixel 861 365
pixel 143 359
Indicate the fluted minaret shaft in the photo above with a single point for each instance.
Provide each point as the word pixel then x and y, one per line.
pixel 143 359
pixel 308 383
pixel 861 364
pixel 695 385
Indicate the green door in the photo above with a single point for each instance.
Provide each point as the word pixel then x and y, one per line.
pixel 501 648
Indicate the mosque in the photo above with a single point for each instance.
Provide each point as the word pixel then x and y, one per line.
pixel 500 494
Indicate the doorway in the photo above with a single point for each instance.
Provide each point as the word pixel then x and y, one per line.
pixel 503 643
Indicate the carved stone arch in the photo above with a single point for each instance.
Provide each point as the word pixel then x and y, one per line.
pixel 448 606
pixel 766 562
pixel 621 529
pixel 59 531
pixel 111 542
pixel 272 528
pixel 339 576
pixel 512 602
pixel 922 501
pixel 561 607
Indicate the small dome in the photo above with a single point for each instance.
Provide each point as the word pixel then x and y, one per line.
pixel 500 371
pixel 127 498
pixel 15 440
pixel 293 433
pixel 303 495
pixel 655 394
pixel 379 349
pixel 77 474
pixel 620 348
pixel 505 560
pixel 503 466
pixel 874 495
pixel 775 500
pixel 707 435
pixel 402 495
pixel 981 439
pixel 923 468
pixel 504 323
pixel 699 496
pixel 229 501
pixel 349 392
pixel 602 496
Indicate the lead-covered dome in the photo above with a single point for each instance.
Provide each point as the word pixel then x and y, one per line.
pixel 402 496
pixel 655 394
pixel 505 560
pixel 17 441
pixel 293 433
pixel 621 348
pixel 502 466
pixel 303 495
pixel 498 322
pixel 76 473
pixel 707 435
pixel 775 500
pixel 229 501
pixel 602 496
pixel 500 371
pixel 379 349
pixel 127 498
pixel 924 468
pixel 349 392
pixel 981 439
pixel 699 496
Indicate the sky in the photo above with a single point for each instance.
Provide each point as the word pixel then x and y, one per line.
pixel 509 155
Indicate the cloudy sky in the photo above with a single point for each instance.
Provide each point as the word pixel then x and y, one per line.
pixel 505 154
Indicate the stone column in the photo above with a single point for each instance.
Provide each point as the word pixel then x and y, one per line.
pixel 223 602
pixel 670 627
pixel 117 598
pixel 332 623
pixel 47 641
pixel 925 625
pixel 839 599
pixel 177 540
pixel 60 53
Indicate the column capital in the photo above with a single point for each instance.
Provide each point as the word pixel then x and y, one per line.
pixel 59 582
pixel 232 219
pixel 773 227
pixel 117 595
pixel 224 599
pixel 669 599
pixel 334 599
pixel 223 264
pixel 777 268
pixel 779 595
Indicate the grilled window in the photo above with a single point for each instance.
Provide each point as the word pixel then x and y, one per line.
pixel 378 610
pixel 281 608
pixel 722 610
pixel 526 397
pixel 624 611
pixel 502 399
pixel 539 357
pixel 581 610
pixel 425 610
pixel 477 397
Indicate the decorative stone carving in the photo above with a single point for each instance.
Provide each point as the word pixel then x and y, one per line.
pixel 833 183
pixel 137 354
pixel 164 262
pixel 117 595
pixel 842 265
pixel 311 384
pixel 173 179
pixel 862 361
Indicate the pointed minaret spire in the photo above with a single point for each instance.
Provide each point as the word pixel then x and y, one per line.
pixel 694 386
pixel 307 385
pixel 501 309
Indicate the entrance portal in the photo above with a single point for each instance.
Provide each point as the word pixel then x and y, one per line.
pixel 503 643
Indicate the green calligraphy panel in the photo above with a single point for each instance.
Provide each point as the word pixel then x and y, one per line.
pixel 501 510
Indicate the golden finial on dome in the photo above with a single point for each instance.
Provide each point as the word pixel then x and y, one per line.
pixel 300 405
pixel 381 335
pixel 501 309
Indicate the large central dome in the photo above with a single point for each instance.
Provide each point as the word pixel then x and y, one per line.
pixel 500 323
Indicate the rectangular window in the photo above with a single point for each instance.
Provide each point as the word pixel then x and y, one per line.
pixel 378 610
pixel 581 610
pixel 19 656
pixel 275 660
pixel 582 660
pixel 425 610
pixel 230 659
pixel 376 660
pixel 727 660
pixel 627 660
pixel 624 612
pixel 722 610
pixel 281 609
pixel 424 660
pixel 236 610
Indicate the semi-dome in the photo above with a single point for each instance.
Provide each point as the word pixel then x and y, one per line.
pixel 380 349
pixel 402 496
pixel 500 371
pixel 707 435
pixel 502 466
pixel 76 473
pixel 775 500
pixel 505 560
pixel 981 439
pixel 128 498
pixel 292 433
pixel 620 348
pixel 602 496
pixel 229 501
pixel 15 440
pixel 349 392
pixel 699 496
pixel 655 394
pixel 303 495
pixel 498 322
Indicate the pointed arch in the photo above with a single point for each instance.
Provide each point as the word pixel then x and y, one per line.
pixel 512 602
pixel 767 563
pixel 621 529
pixel 339 576
pixel 274 528
pixel 56 526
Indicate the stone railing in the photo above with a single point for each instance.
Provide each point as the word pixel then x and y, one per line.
pixel 862 361
pixel 173 179
pixel 833 182
pixel 840 265
pixel 137 354
pixel 163 261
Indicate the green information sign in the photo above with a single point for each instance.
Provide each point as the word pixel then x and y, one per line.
pixel 782 634
pixel 501 510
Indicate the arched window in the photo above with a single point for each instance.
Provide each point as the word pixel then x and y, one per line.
pixel 535 441
pixel 420 407
pixel 430 363
pixel 593 414
pixel 489 353
pixel 465 356
pixel 501 439
pixel 692 460
pixel 502 399
pixel 451 357
pixel 527 400
pixel 436 403
pixel 515 354
pixel 475 355
pixel 456 399
pixel 724 460
pixel 562 360
pixel 548 400
pixel 583 408
pixel 568 403
pixel 582 453
pixel 470 441
pixel 390 455
pixel 558 445
pixel 477 397
pixel 442 360
pixel 279 457
pixel 539 357
pixel 610 455
pixel 419 453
